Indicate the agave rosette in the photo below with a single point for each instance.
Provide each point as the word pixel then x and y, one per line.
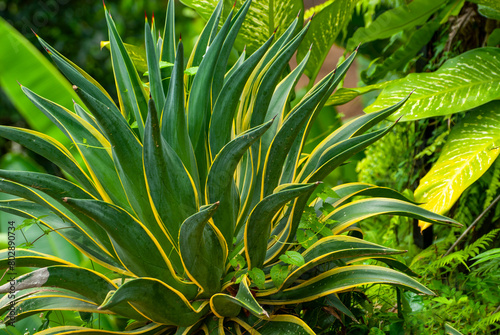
pixel 187 174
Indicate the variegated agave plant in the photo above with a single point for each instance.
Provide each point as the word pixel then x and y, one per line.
pixel 187 194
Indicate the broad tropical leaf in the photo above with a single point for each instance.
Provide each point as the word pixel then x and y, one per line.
pixel 464 82
pixel 471 148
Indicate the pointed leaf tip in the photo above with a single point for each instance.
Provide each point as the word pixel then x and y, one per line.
pixel 19 83
pixel 34 32
pixel 75 87
pixel 298 14
pixel 311 46
pixel 145 16
pixel 180 37
pixel 104 5
pixel 357 48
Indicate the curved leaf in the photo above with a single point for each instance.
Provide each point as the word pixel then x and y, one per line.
pixel 342 279
pixel 351 213
pixel 157 301
pixel 395 20
pixel 464 82
pixel 30 258
pixel 471 148
pixel 224 305
pixel 150 329
pixel 203 250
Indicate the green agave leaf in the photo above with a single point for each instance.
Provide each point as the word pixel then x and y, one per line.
pixel 173 118
pixel 69 230
pixel 464 158
pixel 224 305
pixel 126 150
pixel 199 106
pixel 137 55
pixel 342 279
pixel 29 258
pixel 130 90
pixel 346 192
pixel 154 75
pixel 351 213
pixel 52 150
pixel 169 39
pixel 91 144
pixel 344 95
pixel 203 250
pixel 276 324
pixel 393 21
pixel 72 278
pixel 403 55
pixel 260 23
pixel 53 301
pixel 27 64
pixel 157 301
pixel 258 226
pixel 334 248
pixel 150 329
pixel 220 183
pixel 137 248
pixel 79 77
pixel 326 26
pixel 170 187
pixel 464 82
pixel 225 107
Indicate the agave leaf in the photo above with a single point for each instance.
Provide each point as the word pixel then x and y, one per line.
pixel 69 230
pixel 203 250
pixel 91 144
pixel 333 248
pixel 464 82
pixel 393 21
pixel 276 324
pixel 346 192
pixel 131 93
pixel 173 118
pixel 325 28
pixel 74 279
pixel 126 150
pixel 150 329
pixel 220 179
pixel 450 330
pixel 145 295
pixel 137 248
pixel 225 107
pixel 341 279
pixel 154 75
pixel 30 258
pixel 220 68
pixel 26 63
pixel 464 158
pixel 52 150
pixel 53 301
pixel 199 102
pixel 351 213
pixel 168 50
pixel 269 78
pixel 137 55
pixel 79 77
pixel 262 19
pixel 224 305
pixel 258 226
pixel 171 189
pixel 346 131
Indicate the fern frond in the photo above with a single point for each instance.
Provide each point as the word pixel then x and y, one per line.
pixel 488 321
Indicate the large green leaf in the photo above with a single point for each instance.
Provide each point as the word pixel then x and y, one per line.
pixel 262 19
pixel 462 83
pixel 203 250
pixel 471 148
pixel 157 301
pixel 342 279
pixel 23 62
pixel 150 329
pixel 395 20
pixel 488 3
pixel 325 28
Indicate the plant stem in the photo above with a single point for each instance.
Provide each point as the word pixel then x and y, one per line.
pixel 472 225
